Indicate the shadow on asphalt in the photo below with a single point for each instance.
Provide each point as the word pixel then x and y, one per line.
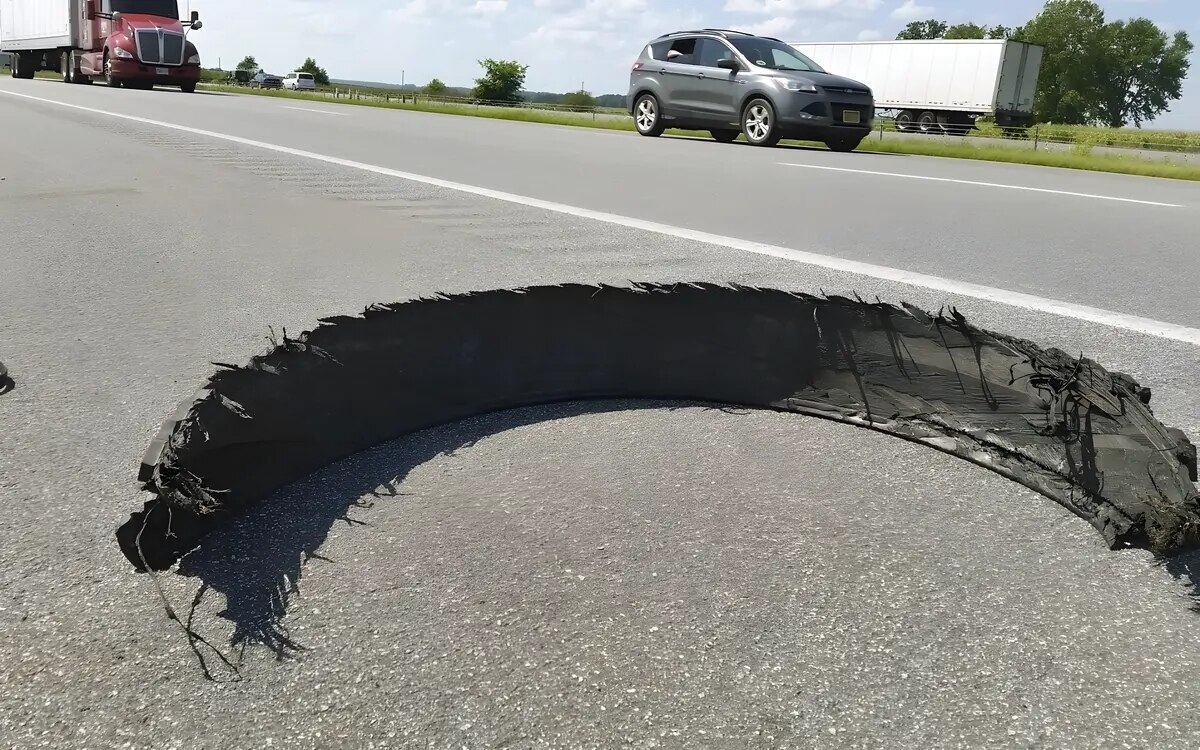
pixel 865 148
pixel 7 384
pixel 1186 569
pixel 258 561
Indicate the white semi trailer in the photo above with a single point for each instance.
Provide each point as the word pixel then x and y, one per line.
pixel 940 85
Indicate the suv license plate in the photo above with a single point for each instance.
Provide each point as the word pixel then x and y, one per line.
pixel 164 72
pixel 851 115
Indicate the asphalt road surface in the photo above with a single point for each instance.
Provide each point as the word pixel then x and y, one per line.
pixel 621 575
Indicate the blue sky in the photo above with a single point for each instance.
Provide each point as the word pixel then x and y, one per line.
pixel 593 42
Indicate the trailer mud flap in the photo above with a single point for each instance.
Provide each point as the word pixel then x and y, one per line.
pixel 1062 426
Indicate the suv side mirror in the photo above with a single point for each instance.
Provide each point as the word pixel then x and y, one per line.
pixel 729 64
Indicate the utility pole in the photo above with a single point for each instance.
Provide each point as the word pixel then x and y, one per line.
pixel 402 79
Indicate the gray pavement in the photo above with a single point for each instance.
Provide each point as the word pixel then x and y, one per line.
pixel 635 575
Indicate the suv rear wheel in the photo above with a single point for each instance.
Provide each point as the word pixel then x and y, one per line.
pixel 647 117
pixel 759 124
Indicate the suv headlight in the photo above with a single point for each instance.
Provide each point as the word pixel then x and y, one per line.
pixel 122 53
pixel 804 88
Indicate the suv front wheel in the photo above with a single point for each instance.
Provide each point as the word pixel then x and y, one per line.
pixel 759 124
pixel 843 143
pixel 647 117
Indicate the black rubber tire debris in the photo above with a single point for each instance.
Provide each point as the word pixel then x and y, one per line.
pixel 6 383
pixel 1062 426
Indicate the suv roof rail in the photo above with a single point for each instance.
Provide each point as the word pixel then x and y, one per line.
pixel 719 32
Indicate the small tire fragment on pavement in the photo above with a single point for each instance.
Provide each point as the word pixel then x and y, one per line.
pixel 1063 426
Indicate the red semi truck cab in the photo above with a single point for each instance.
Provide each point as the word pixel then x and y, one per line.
pixel 133 43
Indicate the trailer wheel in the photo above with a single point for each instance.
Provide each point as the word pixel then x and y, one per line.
pixel 904 121
pixel 23 65
pixel 928 122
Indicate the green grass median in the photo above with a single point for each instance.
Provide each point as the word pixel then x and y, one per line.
pixel 1078 158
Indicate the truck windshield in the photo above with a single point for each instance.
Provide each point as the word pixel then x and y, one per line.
pixel 768 53
pixel 164 8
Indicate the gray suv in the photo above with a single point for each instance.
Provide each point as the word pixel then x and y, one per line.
pixel 731 83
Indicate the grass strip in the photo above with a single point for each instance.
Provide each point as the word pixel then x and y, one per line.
pixel 1110 163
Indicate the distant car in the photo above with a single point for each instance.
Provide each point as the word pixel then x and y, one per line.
pixel 732 83
pixel 300 81
pixel 262 80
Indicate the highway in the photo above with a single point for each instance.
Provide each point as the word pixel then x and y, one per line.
pixel 631 575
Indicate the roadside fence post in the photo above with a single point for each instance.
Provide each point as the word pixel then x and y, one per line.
pixel 1036 135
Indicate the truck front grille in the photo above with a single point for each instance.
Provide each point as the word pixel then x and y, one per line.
pixel 172 48
pixel 166 49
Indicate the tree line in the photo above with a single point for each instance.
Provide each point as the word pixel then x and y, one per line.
pixel 1094 71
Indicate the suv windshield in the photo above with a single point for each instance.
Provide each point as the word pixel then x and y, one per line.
pixel 767 53
pixel 164 8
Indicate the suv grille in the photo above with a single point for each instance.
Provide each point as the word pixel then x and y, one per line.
pixel 846 90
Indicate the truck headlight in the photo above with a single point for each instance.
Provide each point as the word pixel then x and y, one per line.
pixel 122 53
pixel 804 88
pixel 194 59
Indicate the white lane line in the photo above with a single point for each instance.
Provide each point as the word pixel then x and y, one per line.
pixel 318 111
pixel 1135 323
pixel 982 184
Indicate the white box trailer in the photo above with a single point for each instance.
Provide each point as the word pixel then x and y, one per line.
pixel 40 24
pixel 940 85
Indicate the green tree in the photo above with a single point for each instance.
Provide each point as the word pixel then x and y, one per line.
pixel 435 88
pixel 999 32
pixel 1107 73
pixel 1070 32
pixel 501 82
pixel 965 31
pixel 579 101
pixel 1143 72
pixel 931 29
pixel 248 63
pixel 318 73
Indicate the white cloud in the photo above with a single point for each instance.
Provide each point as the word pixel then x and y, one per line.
pixel 489 8
pixel 771 27
pixel 791 7
pixel 910 11
pixel 869 35
pixel 414 11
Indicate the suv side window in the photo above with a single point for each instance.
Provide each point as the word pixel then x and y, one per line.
pixel 686 48
pixel 710 51
pixel 659 50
